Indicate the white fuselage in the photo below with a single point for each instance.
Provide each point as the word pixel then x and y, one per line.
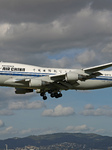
pixel 11 72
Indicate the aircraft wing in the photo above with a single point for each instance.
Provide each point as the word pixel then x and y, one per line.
pixel 57 77
pixel 65 80
pixel 97 68
pixel 14 80
pixel 84 74
pixel 21 80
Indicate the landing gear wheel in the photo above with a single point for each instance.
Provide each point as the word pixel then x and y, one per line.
pixel 52 95
pixel 60 95
pixel 56 95
pixel 44 97
pixel 42 94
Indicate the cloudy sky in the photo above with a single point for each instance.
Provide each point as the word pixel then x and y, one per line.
pixel 56 33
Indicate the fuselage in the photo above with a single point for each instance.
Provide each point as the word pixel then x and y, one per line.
pixel 10 72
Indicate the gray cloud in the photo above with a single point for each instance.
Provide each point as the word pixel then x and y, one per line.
pixel 8 95
pixel 39 29
pixel 101 5
pixel 17 11
pixel 42 11
pixel 26 105
pixel 2 124
pixel 53 33
pixel 6 112
pixel 65 32
pixel 10 101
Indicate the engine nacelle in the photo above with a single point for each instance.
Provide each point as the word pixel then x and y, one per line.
pixel 23 91
pixel 37 83
pixel 73 76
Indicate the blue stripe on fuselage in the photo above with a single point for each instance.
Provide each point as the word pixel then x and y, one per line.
pixel 35 74
pixel 31 74
pixel 98 78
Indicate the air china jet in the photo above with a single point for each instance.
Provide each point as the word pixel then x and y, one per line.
pixel 27 78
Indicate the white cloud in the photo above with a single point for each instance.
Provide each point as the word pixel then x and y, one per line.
pixel 10 101
pixel 37 35
pixel 29 131
pixel 86 129
pixel 58 111
pixel 81 128
pixel 11 132
pixel 26 105
pixel 7 131
pixel 4 28
pixel 89 110
pixel 89 106
pixel 14 132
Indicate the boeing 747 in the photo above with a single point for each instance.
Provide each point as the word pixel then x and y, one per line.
pixel 27 78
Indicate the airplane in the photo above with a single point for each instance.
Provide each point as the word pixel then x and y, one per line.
pixel 27 78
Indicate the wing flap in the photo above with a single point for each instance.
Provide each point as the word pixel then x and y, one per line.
pixel 13 80
pixel 21 80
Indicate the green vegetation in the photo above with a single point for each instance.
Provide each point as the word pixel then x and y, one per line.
pixel 90 140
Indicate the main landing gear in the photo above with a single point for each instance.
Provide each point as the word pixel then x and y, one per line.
pixel 56 94
pixel 43 95
pixel 52 94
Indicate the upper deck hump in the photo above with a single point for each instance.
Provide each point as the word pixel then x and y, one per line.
pixel 31 68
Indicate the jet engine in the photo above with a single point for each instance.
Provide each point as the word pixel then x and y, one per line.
pixel 73 76
pixel 23 91
pixel 37 83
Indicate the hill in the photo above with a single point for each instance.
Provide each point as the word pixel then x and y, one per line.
pixel 92 141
